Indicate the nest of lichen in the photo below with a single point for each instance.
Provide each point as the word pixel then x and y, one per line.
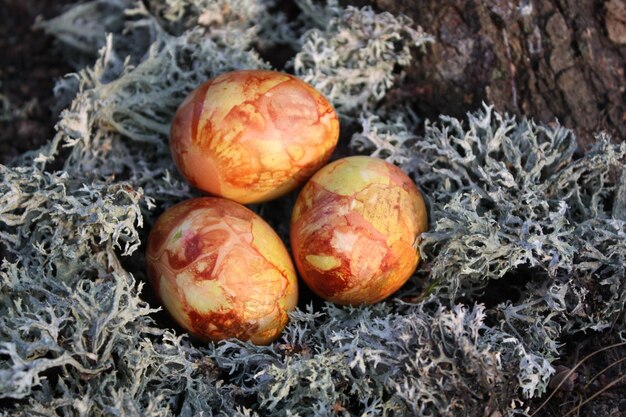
pixel 510 203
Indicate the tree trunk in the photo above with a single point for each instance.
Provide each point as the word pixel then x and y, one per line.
pixel 545 59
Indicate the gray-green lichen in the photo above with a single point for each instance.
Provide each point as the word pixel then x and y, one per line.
pixel 351 58
pixel 512 197
pixel 508 199
pixel 513 194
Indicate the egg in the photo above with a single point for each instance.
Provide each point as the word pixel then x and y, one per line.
pixel 252 135
pixel 221 271
pixel 355 229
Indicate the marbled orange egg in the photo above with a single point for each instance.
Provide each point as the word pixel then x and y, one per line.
pixel 355 228
pixel 221 271
pixel 252 135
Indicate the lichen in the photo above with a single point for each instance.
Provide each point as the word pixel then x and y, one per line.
pixel 352 58
pixel 512 203
pixel 511 197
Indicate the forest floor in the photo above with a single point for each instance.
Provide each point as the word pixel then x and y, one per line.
pixel 29 66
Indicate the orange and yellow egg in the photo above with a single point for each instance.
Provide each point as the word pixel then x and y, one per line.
pixel 355 228
pixel 221 271
pixel 253 135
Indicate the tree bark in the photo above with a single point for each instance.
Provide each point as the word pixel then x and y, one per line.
pixel 545 59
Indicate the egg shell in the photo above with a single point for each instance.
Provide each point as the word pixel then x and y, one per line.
pixel 355 228
pixel 221 271
pixel 252 135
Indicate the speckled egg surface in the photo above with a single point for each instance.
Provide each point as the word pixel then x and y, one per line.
pixel 355 228
pixel 221 271
pixel 252 135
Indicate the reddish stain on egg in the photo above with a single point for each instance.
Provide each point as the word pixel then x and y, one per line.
pixel 253 135
pixel 355 228
pixel 221 271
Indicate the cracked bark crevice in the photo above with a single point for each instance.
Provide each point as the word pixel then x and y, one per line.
pixel 546 59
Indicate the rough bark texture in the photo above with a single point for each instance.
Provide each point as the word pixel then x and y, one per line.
pixel 546 59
